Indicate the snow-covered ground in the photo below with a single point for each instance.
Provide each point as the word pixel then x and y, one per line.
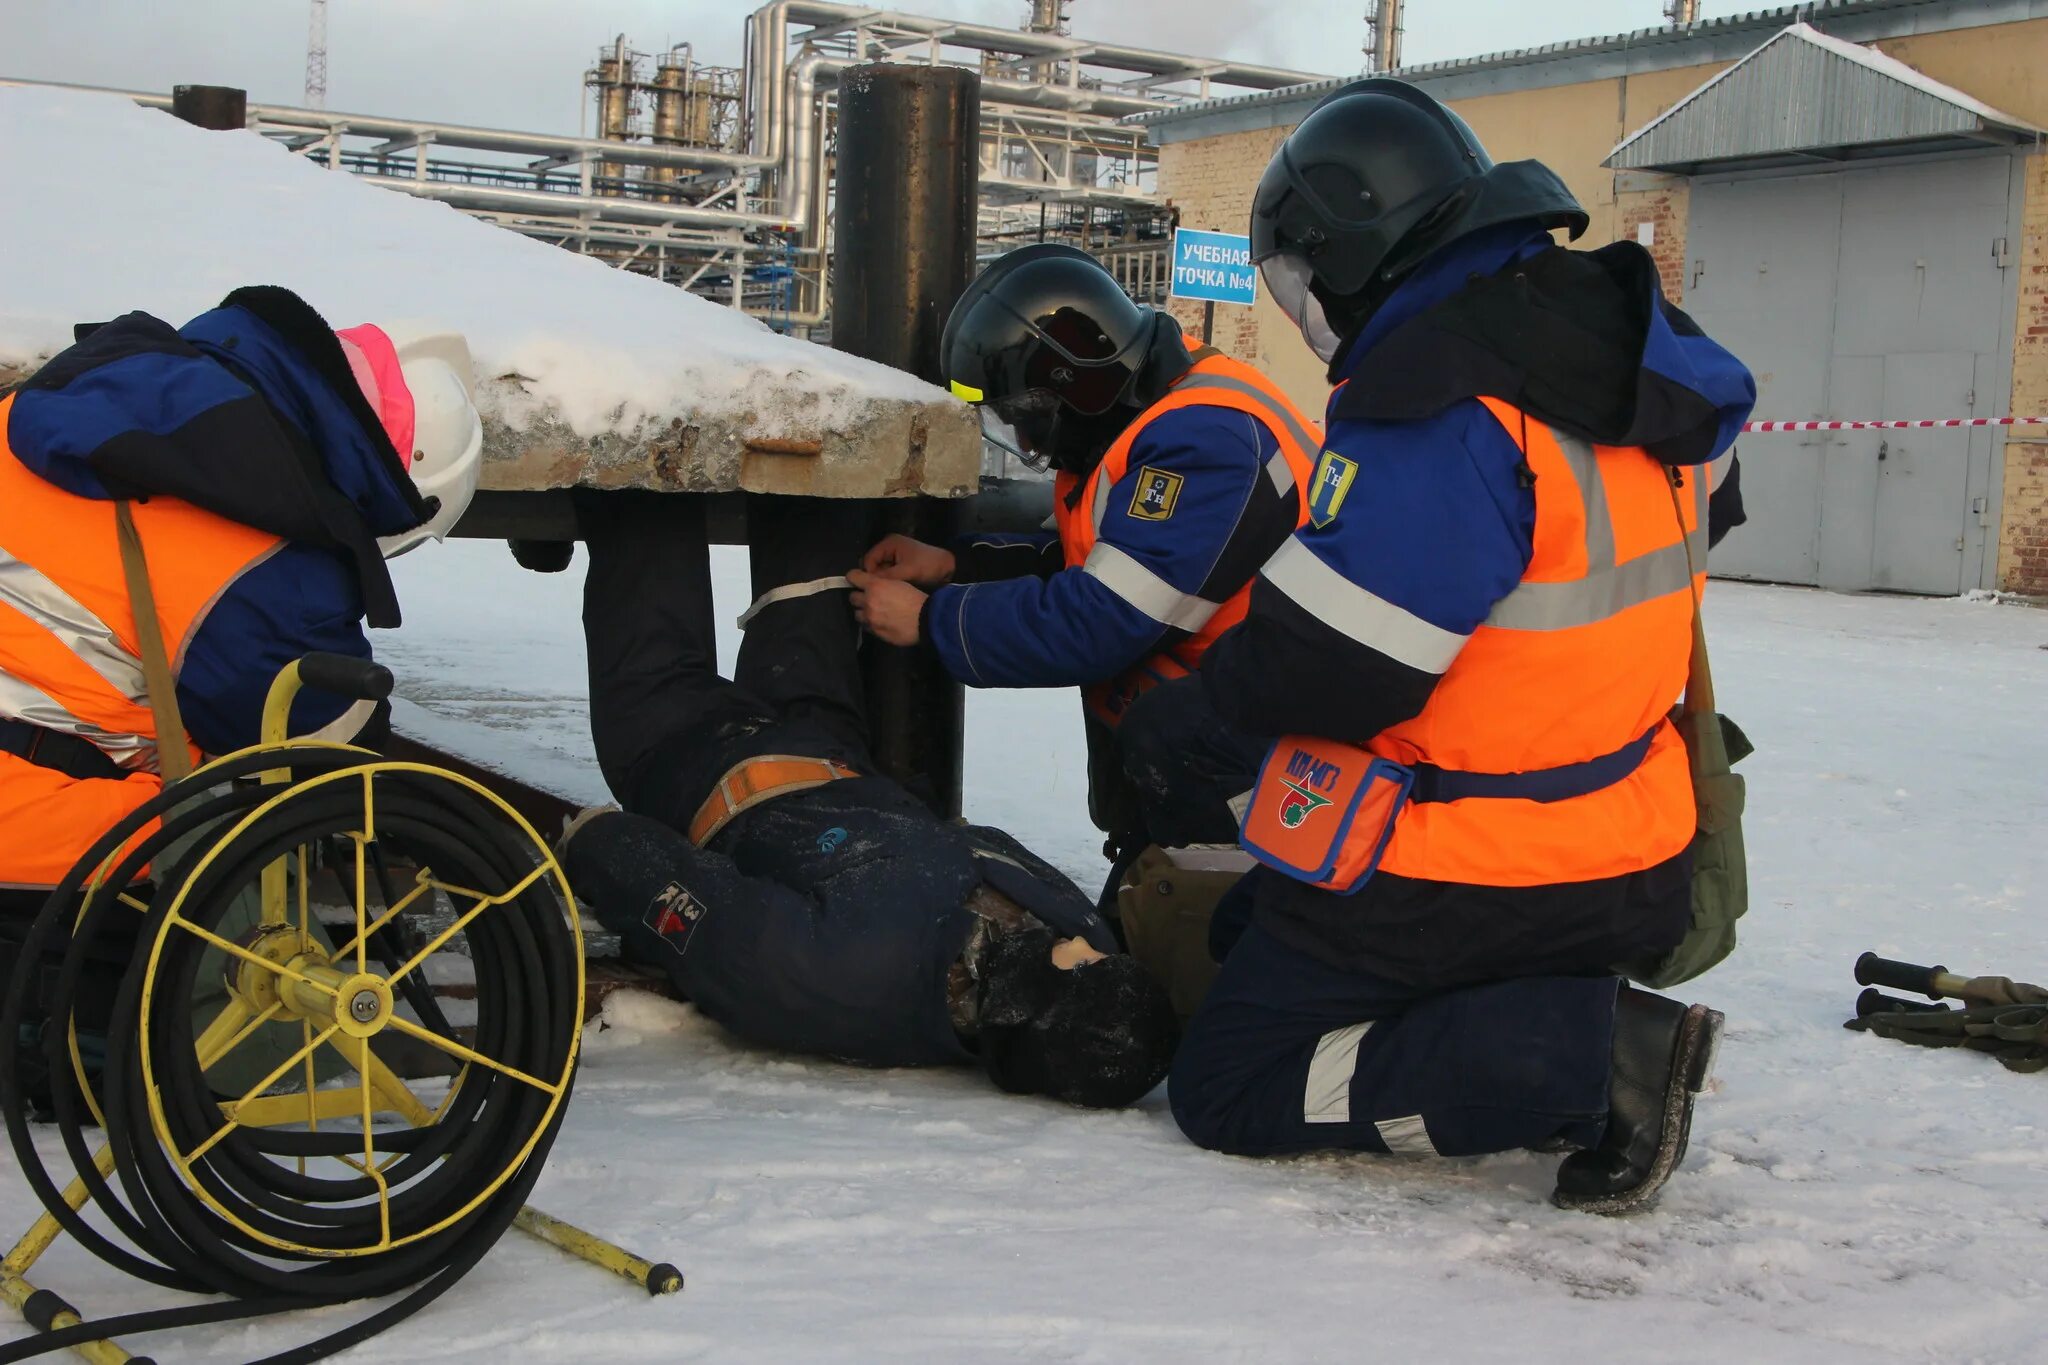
pixel 1846 1199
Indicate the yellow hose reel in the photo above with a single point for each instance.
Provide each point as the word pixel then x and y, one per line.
pixel 260 1144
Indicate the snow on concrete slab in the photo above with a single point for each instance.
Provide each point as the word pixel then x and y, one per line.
pixel 1845 1199
pixel 592 375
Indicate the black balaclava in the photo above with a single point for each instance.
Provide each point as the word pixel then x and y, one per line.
pixel 1099 1035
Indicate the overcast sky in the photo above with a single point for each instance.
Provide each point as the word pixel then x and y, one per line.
pixel 518 63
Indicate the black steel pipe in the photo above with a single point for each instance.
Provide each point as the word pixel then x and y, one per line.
pixel 222 108
pixel 907 183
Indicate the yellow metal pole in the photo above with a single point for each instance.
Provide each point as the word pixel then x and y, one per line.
pixel 655 1277
pixel 277 720
pixel 17 1292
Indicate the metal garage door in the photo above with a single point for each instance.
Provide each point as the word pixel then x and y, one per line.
pixel 1874 293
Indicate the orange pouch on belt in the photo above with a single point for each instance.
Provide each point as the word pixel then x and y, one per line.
pixel 1322 812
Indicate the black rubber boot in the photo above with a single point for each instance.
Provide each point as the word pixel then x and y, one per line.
pixel 1663 1054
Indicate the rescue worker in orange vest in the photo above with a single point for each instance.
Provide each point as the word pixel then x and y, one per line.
pixel 1179 472
pixel 270 465
pixel 1474 805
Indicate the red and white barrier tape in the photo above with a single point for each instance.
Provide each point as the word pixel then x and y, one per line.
pixel 1898 426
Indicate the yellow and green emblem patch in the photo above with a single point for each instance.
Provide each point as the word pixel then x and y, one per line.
pixel 1158 491
pixel 1332 480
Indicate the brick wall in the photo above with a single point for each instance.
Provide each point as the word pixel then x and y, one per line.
pixel 1665 209
pixel 2023 529
pixel 1212 181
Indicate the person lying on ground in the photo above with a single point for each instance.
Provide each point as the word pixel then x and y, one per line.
pixel 785 887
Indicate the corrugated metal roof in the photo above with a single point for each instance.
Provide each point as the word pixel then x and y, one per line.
pixel 1805 96
pixel 1677 38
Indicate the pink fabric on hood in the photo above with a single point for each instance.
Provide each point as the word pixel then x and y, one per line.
pixel 375 362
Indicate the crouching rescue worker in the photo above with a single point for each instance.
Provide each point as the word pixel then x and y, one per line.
pixel 247 473
pixel 1179 472
pixel 1476 804
pixel 795 895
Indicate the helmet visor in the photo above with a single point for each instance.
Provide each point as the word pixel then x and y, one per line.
pixel 1287 281
pixel 1000 436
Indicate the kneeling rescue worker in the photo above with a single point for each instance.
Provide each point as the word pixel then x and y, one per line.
pixel 1477 805
pixel 246 474
pixel 1180 471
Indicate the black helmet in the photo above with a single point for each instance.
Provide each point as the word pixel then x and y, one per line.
pixel 1046 328
pixel 1100 1034
pixel 1377 177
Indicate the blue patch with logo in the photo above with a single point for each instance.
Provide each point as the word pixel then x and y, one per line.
pixel 831 839
pixel 1328 486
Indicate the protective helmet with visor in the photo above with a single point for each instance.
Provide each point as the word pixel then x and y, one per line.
pixel 1046 335
pixel 1374 180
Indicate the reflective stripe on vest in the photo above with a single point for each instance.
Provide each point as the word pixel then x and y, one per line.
pixel 1080 507
pixel 1607 587
pixel 69 661
pixel 1572 673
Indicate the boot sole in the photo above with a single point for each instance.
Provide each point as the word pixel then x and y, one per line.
pixel 1692 1066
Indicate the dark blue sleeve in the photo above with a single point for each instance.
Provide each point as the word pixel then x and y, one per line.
pixel 989 556
pixel 299 601
pixel 1355 619
pixel 1164 527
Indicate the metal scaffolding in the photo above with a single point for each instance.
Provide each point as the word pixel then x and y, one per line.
pixel 719 179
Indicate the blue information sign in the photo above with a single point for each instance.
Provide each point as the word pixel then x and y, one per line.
pixel 1213 266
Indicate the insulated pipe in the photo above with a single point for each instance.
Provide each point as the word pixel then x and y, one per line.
pixel 908 181
pixel 988 38
pixel 603 208
pixel 446 134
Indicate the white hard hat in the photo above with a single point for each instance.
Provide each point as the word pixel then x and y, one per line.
pixel 447 453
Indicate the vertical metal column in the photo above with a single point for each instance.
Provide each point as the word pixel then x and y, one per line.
pixel 908 178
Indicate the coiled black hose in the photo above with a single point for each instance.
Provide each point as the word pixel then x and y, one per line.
pixel 528 1014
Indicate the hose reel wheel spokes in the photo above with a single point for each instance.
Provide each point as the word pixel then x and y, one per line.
pixel 342 999
pixel 317 1176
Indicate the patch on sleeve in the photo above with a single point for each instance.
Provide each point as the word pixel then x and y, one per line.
pixel 672 914
pixel 1158 491
pixel 1332 481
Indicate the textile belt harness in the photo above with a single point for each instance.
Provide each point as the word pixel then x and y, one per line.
pixel 756 780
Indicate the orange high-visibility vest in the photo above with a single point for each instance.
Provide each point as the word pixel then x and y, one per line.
pixel 69 658
pixel 1216 381
pixel 1587 655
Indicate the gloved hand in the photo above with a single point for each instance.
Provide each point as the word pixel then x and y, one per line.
pixel 2016 1034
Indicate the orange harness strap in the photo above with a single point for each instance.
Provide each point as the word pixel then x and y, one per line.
pixel 749 783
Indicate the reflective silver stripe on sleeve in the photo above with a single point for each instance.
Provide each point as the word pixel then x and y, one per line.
pixel 1408 1137
pixel 1099 485
pixel 1147 591
pixel 19 701
pixel 1326 1098
pixel 1281 473
pixel 37 597
pixel 1347 608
